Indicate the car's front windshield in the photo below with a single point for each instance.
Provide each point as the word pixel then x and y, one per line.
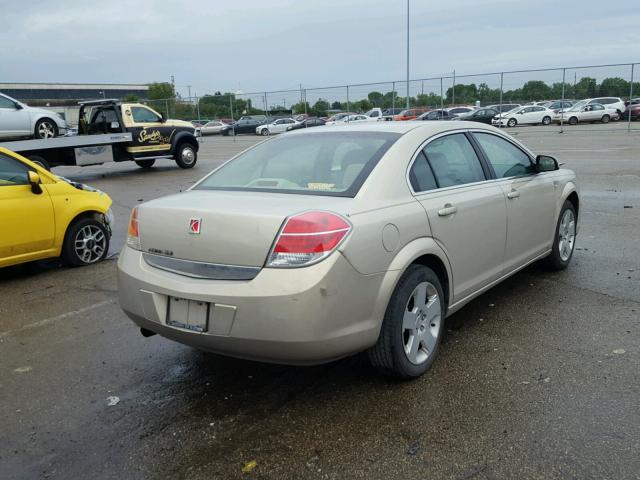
pixel 323 163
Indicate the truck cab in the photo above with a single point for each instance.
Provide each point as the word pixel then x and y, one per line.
pixel 153 136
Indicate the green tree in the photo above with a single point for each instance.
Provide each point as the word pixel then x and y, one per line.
pixel 336 106
pixel 131 98
pixel 301 107
pixel 585 88
pixel 376 99
pixel 463 93
pixel 161 90
pixel 320 108
pixel 614 87
pixel 536 90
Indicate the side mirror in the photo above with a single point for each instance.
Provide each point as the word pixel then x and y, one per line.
pixel 545 163
pixel 34 181
pixel 18 106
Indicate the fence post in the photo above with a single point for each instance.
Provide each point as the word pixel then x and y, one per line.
pixel 393 96
pixel 166 106
pixel 441 96
pixel 305 101
pixel 630 98
pixel 453 90
pixel 500 113
pixel 564 71
pixel 348 109
pixel 233 127
pixel 265 104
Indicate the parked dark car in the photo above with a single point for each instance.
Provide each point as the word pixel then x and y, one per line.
pixel 309 122
pixel 505 107
pixel 244 125
pixel 483 115
pixel 633 109
pixel 436 115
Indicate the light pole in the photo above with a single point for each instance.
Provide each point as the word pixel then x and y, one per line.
pixel 407 54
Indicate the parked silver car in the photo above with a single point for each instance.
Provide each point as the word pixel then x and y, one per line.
pixel 325 242
pixel 18 119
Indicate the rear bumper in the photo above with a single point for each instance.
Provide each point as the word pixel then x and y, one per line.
pixel 299 316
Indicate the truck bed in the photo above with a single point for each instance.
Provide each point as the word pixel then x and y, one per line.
pixel 66 142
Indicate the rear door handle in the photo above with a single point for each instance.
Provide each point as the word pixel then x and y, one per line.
pixel 447 210
pixel 513 194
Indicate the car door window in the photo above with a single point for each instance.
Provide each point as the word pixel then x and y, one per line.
pixel 506 159
pixel 421 176
pixel 6 103
pixel 453 161
pixel 144 115
pixel 12 172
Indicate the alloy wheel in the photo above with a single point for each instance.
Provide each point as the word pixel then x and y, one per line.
pixel 46 130
pixel 90 243
pixel 566 235
pixel 421 323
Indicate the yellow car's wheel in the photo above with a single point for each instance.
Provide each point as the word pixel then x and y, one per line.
pixel 86 242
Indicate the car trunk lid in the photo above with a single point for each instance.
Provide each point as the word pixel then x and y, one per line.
pixel 233 227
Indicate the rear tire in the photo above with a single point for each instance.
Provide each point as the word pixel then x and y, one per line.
pixel 145 163
pixel 573 121
pixel 605 119
pixel 546 121
pixel 564 240
pixel 45 128
pixel 86 242
pixel 186 155
pixel 412 326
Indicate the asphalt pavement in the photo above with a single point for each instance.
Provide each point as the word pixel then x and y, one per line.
pixel 538 378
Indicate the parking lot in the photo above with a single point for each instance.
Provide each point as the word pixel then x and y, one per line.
pixel 537 378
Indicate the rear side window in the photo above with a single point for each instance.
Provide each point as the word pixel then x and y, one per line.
pixel 335 163
pixel 421 176
pixel 506 159
pixel 453 161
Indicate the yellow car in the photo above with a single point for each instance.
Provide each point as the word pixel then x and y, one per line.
pixel 44 216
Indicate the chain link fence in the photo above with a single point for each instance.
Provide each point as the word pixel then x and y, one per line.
pixel 481 89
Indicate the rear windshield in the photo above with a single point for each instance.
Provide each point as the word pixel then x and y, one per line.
pixel 326 163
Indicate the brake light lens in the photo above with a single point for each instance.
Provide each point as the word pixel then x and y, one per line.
pixel 308 238
pixel 133 232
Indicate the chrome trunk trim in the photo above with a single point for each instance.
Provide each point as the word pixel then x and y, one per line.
pixel 210 271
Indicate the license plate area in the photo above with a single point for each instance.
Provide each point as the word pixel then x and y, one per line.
pixel 188 314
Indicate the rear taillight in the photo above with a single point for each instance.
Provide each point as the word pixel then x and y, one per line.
pixel 133 232
pixel 307 238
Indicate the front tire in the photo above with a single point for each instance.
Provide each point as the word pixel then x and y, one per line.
pixel 265 132
pixel 86 242
pixel 565 238
pixel 573 121
pixel 512 122
pixel 45 128
pixel 186 155
pixel 412 326
pixel 546 120
pixel 145 163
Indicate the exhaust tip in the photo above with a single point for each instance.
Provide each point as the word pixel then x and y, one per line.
pixel 147 333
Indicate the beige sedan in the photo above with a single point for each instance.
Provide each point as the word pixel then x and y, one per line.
pixel 322 243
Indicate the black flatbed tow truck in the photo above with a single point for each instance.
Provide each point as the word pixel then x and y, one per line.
pixel 115 131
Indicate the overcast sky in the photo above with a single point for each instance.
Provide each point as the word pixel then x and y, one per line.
pixel 256 45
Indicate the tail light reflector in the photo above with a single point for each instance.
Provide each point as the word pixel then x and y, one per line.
pixel 133 232
pixel 308 238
